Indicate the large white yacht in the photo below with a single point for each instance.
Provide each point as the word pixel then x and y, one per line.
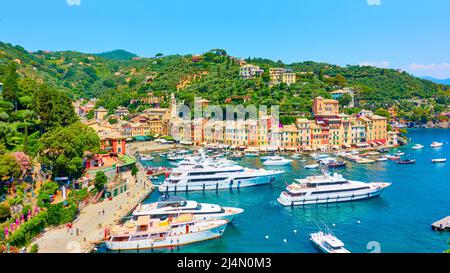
pixel 175 205
pixel 215 176
pixel 327 243
pixel 328 188
pixel 145 232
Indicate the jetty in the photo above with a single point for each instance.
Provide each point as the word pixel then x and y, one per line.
pixel 442 225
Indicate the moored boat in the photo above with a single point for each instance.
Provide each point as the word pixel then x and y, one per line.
pixel 337 164
pixel 328 188
pixel 215 176
pixel 417 147
pixel 405 161
pixel 436 144
pixel 365 161
pixel 439 160
pixel 277 161
pixel 327 243
pixel 146 233
pixel 312 166
pixel 174 205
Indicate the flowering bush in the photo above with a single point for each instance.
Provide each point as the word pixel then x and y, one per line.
pixel 24 161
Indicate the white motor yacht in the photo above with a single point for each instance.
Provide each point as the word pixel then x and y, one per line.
pixel 327 243
pixel 215 176
pixel 147 233
pixel 174 205
pixel 328 188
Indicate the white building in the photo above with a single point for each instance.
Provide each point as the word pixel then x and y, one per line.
pixel 249 71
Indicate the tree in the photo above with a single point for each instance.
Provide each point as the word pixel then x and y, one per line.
pixel 345 100
pixel 53 108
pixel 4 212
pixel 134 170
pixel 9 166
pixel 340 80
pixel 100 180
pixel 62 148
pixel 10 85
pixel 24 161
pixel 382 112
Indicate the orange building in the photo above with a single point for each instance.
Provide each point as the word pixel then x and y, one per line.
pixel 325 108
pixel 112 142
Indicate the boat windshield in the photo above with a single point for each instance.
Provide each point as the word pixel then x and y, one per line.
pixel 180 203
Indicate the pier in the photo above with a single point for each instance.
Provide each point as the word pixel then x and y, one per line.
pixel 442 225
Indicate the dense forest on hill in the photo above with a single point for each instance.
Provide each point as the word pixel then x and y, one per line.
pixel 119 55
pixel 116 78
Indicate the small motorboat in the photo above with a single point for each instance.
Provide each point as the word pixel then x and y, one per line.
pixel 436 144
pixel 439 160
pixel 417 147
pixel 146 158
pixel 364 161
pixel 392 157
pixel 312 166
pixel 252 154
pixel 381 159
pixel 277 161
pixel 399 153
pixel 405 161
pixel 337 164
pixel 328 243
pixel 296 156
pixel 373 153
pixel 382 150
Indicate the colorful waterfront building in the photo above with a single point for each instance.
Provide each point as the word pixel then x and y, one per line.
pixel 112 142
pixel 290 138
pixel 325 108
pixel 304 132
pixel 319 135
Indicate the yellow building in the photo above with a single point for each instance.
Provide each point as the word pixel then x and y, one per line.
pixel 304 132
pixel 290 138
pixel 100 113
pixel 379 129
pixel 281 75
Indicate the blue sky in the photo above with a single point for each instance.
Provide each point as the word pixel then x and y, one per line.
pixel 413 35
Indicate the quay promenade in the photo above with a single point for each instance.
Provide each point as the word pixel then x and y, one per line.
pixel 147 147
pixel 93 220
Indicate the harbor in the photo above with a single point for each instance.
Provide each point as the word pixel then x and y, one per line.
pixel 403 210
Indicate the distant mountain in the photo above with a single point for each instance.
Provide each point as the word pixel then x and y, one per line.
pixel 444 81
pixel 119 55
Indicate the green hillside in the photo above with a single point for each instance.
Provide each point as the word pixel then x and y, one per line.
pixel 119 55
pixel 116 82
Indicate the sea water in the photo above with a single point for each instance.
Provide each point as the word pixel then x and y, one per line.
pixel 397 221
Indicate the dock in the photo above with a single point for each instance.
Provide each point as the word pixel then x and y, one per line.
pixel 442 225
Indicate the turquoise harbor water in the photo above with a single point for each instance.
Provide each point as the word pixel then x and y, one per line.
pixel 398 221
